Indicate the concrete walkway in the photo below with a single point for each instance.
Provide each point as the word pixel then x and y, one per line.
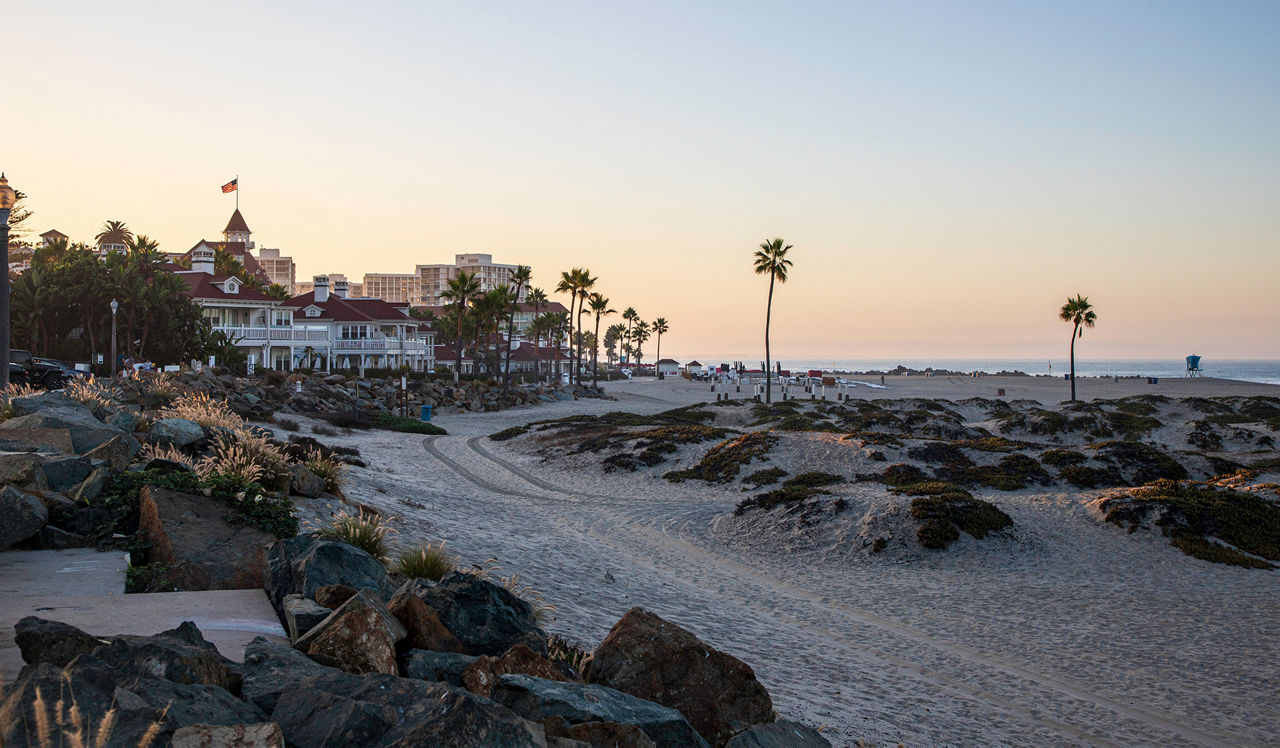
pixel 85 588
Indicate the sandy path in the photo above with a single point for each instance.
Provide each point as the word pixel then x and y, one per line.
pixel 1077 635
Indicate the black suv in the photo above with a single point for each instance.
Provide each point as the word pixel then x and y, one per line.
pixel 39 372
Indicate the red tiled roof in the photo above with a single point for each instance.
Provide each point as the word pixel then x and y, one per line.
pixel 669 361
pixel 201 286
pixel 339 309
pixel 53 234
pixel 236 223
pixel 241 253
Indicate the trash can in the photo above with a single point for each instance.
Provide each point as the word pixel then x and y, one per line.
pixel 426 412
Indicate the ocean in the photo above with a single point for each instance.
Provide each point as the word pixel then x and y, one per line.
pixel 1265 372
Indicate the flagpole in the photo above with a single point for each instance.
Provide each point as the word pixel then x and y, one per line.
pixel 237 192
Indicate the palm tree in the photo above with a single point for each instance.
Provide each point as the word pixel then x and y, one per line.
pixel 611 338
pixel 460 290
pixel 557 327
pixel 569 280
pixel 537 298
pixel 640 333
pixel 114 232
pixel 771 258
pixel 585 283
pixel 520 277
pixel 630 315
pixel 144 246
pixel 659 327
pixel 1079 312
pixel 600 306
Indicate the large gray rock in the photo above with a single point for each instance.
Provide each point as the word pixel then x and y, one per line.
pixel 201 549
pixel 485 617
pixel 305 563
pixel 63 473
pixel 382 710
pixel 86 430
pixel 89 489
pixel 181 655
pixel 22 469
pixel 176 431
pixel 443 667
pixel 261 735
pixel 359 637
pixel 117 452
pixel 51 642
pixel 303 482
pixel 36 440
pixel 21 516
pixel 537 699
pixel 270 667
pixel 301 615
pixel 780 734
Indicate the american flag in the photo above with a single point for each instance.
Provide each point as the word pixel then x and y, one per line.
pixel 230 186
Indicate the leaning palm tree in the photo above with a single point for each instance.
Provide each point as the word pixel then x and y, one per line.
pixel 520 277
pixel 460 290
pixel 630 315
pixel 659 327
pixel 114 232
pixel 600 307
pixel 771 258
pixel 1079 312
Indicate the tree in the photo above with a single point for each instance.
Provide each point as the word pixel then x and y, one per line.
pixel 600 307
pixel 630 315
pixel 557 327
pixel 18 216
pixel 639 333
pixel 1079 312
pixel 520 278
pixel 613 336
pixel 771 258
pixel 537 299
pixel 460 290
pixel 569 283
pixel 659 327
pixel 225 263
pixel 114 232
pixel 277 292
pixel 585 283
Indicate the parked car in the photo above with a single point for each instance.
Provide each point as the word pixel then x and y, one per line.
pixel 17 374
pixel 38 372
pixel 54 369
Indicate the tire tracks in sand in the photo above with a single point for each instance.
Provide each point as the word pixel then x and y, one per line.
pixel 667 545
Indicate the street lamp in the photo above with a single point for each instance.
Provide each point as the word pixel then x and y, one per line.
pixel 7 198
pixel 114 306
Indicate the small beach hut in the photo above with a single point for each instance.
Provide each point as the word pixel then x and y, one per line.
pixel 693 368
pixel 668 366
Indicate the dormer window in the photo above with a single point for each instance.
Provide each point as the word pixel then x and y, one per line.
pixel 231 286
pixel 313 311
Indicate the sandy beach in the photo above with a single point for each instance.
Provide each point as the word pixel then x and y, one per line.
pixel 1066 631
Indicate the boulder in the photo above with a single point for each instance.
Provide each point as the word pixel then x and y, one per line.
pixel 36 440
pixel 180 655
pixel 64 473
pixel 51 642
pixel 117 452
pixel 485 617
pixel 301 615
pixel 358 637
pixel 22 469
pixel 654 659
pixel 306 563
pixel 332 596
pixel 86 431
pixel 269 667
pixel 21 516
pixel 538 699
pixel 124 420
pixel 89 489
pixel 597 734
pixel 303 482
pixel 378 709
pixel 425 631
pixel 261 735
pixel 482 675
pixel 176 431
pixel 780 734
pixel 192 535
pixel 445 667
pixel 56 539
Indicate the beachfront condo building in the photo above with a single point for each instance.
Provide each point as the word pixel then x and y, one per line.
pixel 355 290
pixel 278 267
pixel 395 288
pixel 424 285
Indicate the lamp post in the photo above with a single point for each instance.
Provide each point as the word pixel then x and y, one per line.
pixel 114 306
pixel 7 198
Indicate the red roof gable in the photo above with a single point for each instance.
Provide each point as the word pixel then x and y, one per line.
pixel 201 286
pixel 339 309
pixel 236 223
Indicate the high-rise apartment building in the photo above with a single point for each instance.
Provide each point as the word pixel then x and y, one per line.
pixel 280 268
pixel 394 288
pixel 424 286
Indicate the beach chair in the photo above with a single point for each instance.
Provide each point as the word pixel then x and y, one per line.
pixel 1193 367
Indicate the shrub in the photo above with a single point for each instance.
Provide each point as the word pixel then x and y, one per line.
pixel 322 430
pixel 204 410
pixel 152 451
pixel 1083 476
pixel 368 532
pixel 765 476
pixel 1145 461
pixel 901 474
pixel 813 480
pixel 392 422
pixel 86 391
pixel 429 561
pixel 722 462
pixel 1062 457
pixel 288 424
pixel 510 433
pixel 325 466
pixel 945 514
pixel 248 455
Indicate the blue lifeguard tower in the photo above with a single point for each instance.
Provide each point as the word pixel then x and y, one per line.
pixel 1193 367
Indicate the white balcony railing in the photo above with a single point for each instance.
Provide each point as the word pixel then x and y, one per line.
pixel 257 336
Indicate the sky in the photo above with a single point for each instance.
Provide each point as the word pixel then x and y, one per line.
pixel 947 173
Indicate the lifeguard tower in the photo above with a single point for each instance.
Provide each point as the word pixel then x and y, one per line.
pixel 1193 367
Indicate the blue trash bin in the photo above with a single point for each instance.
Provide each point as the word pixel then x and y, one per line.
pixel 426 412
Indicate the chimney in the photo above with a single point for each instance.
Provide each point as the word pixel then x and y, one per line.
pixel 340 289
pixel 202 259
pixel 322 288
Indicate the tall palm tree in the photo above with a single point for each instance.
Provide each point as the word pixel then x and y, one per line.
pixel 1079 312
pixel 771 258
pixel 639 334
pixel 520 277
pixel 460 290
pixel 659 327
pixel 600 307
pixel 569 280
pixel 114 232
pixel 558 327
pixel 630 315
pixel 537 298
pixel 612 337
pixel 586 282
pixel 144 246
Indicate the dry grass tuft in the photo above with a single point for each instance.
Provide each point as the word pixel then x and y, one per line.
pixel 166 452
pixel 89 392
pixel 327 468
pixel 204 410
pixel 367 531
pixel 429 561
pixel 247 455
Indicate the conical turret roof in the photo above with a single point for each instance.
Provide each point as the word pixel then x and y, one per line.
pixel 236 223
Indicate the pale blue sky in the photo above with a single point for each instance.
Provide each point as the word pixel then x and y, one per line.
pixel 948 172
